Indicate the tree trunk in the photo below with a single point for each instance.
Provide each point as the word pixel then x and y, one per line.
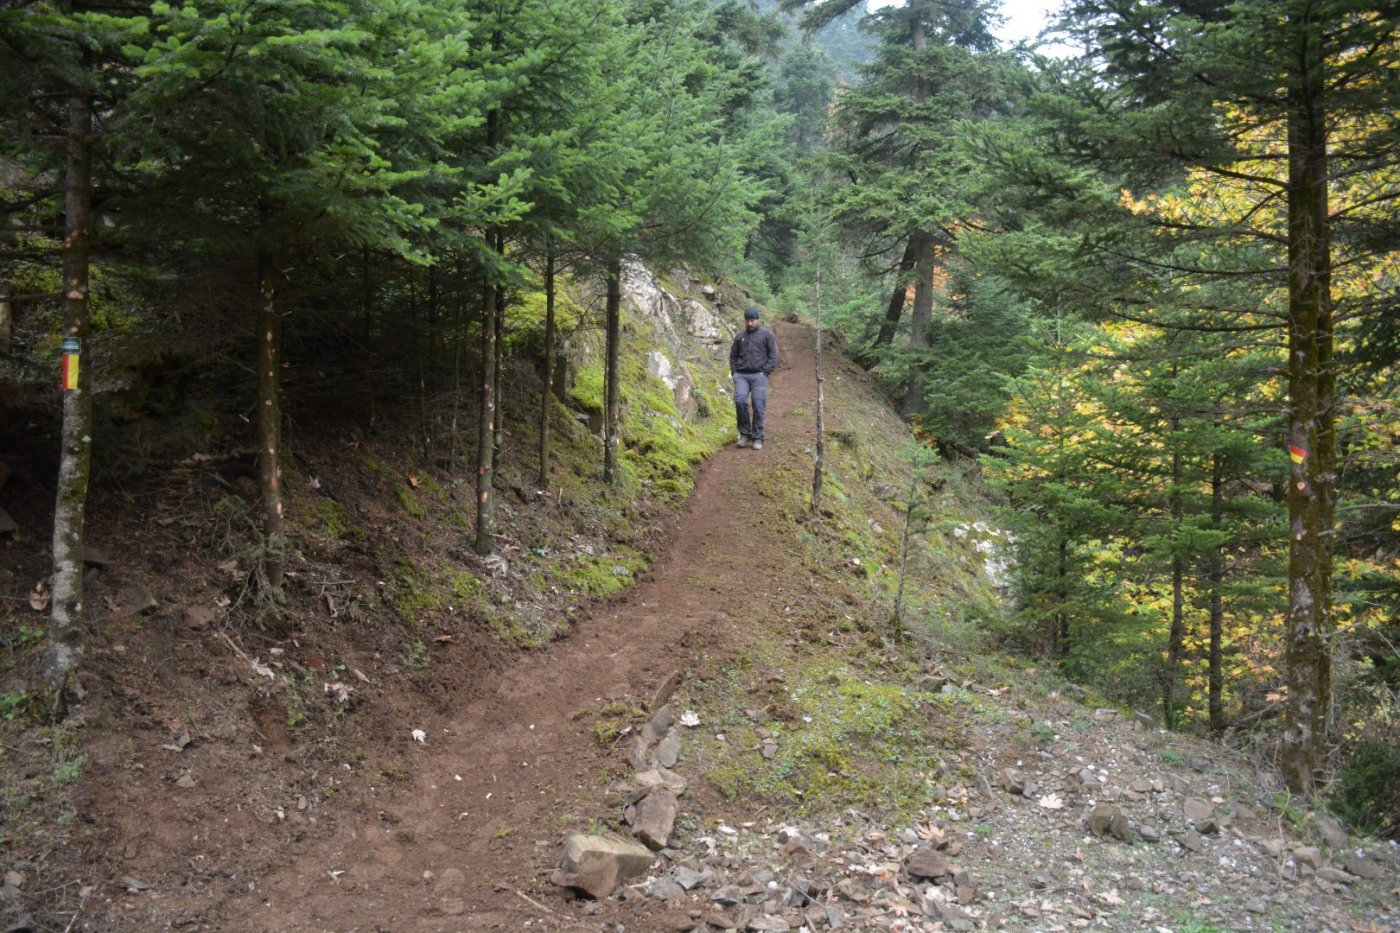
pixel 498 433
pixel 1306 662
pixel 612 404
pixel 895 310
pixel 1061 618
pixel 546 401
pixel 485 434
pixel 7 319
pixel 914 401
pixel 1176 636
pixel 1216 579
pixel 75 458
pixel 819 465
pixel 270 427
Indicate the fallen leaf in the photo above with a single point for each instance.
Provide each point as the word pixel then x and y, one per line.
pixel 39 599
pixel 420 736
pixel 445 640
pixel 689 718
pixel 1052 802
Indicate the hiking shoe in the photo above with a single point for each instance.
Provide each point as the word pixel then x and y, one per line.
pixel 758 445
pixel 744 441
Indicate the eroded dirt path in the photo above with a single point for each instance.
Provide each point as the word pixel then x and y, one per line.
pixel 463 838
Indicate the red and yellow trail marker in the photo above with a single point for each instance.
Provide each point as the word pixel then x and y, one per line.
pixel 71 352
pixel 1297 455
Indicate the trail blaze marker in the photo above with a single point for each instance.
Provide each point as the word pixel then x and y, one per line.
pixel 1297 454
pixel 71 352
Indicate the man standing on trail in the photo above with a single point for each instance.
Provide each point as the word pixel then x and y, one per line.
pixel 752 358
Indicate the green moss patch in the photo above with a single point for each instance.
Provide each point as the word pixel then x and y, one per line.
pixel 838 738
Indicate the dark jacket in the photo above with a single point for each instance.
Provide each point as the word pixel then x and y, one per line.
pixel 754 352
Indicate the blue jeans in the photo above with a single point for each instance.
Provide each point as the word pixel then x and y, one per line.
pixel 750 387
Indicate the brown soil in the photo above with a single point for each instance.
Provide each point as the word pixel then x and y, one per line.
pixel 368 828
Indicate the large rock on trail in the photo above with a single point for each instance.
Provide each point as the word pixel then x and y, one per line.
pixel 598 864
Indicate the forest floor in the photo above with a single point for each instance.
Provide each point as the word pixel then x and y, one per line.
pixel 946 792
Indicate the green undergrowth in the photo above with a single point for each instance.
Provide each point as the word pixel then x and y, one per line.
pixel 818 735
pixel 659 450
pixel 558 545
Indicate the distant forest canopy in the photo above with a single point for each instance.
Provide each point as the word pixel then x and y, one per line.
pixel 846 45
pixel 1148 293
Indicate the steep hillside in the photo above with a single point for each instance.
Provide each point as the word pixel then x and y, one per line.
pixel 407 745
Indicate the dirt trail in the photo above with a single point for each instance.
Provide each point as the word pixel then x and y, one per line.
pixel 464 840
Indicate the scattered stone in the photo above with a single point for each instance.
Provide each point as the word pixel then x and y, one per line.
pixel 186 780
pixel 1208 826
pixel 1149 833
pixel 1108 820
pixel 1364 867
pixel 1011 781
pixel 1196 809
pixel 769 748
pixel 1258 905
pixel 798 893
pixel 14 879
pixel 667 889
pixel 669 751
pixel 1087 777
pixel 138 600
pixel 1273 848
pixel 655 817
pixel 1145 721
pixel 1331 832
pixel 94 556
pixel 652 778
pixel 598 864
pixel 925 862
pixel 1334 875
pixel 688 878
pixel 7 523
pixel 663 693
pixel 198 618
pixel 657 726
pixel 1191 840
pixel 768 924
pixel 1310 856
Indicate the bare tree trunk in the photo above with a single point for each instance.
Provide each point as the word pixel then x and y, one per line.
pixel 546 400
pixel 1176 635
pixel 1311 488
pixel 7 319
pixel 270 427
pixel 895 310
pixel 498 433
pixel 612 404
pixel 1215 580
pixel 820 465
pixel 485 455
pixel 914 401
pixel 75 458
